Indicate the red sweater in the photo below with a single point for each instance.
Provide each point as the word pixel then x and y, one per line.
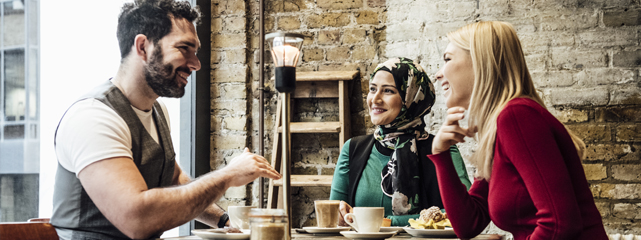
pixel 537 189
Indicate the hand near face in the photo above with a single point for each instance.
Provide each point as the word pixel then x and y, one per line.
pixel 247 167
pixel 344 209
pixel 451 133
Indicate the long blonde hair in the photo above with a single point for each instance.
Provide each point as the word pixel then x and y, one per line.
pixel 500 75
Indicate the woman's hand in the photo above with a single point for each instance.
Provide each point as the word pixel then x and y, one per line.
pixel 344 209
pixel 451 133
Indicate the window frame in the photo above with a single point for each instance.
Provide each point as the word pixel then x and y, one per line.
pixel 23 162
pixel 195 108
pixel 31 45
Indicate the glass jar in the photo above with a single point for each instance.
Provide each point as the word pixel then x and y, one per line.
pixel 268 224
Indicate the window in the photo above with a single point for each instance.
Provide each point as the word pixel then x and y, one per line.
pixel 19 110
pixel 79 51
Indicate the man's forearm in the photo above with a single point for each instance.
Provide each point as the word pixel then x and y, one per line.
pixel 166 208
pixel 211 215
pixel 119 191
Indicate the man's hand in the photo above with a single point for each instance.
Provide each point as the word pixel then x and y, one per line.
pixel 451 133
pixel 247 167
pixel 344 209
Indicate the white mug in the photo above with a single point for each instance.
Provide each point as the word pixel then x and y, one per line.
pixel 239 216
pixel 366 219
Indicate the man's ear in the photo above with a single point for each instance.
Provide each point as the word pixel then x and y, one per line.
pixel 141 44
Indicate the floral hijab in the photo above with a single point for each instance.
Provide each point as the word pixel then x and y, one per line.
pixel 400 176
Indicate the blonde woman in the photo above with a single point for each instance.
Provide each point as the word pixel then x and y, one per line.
pixel 530 180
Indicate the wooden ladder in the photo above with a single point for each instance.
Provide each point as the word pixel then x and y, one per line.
pixel 326 84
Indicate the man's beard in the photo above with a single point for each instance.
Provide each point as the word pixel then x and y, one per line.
pixel 161 77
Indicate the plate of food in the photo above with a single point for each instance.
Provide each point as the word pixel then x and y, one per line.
pixel 431 223
pixel 448 232
pixel 226 233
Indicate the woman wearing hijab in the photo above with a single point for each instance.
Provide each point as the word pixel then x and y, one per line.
pixel 390 168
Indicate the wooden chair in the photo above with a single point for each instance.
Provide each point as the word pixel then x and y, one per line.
pixel 39 220
pixel 27 231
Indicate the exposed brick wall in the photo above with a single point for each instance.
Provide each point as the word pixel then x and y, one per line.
pixel 230 88
pixel 340 35
pixel 584 55
pixel 585 58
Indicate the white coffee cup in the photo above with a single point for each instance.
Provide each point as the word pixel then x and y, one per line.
pixel 239 216
pixel 366 219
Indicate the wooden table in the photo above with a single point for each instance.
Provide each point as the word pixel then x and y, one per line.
pixel 303 236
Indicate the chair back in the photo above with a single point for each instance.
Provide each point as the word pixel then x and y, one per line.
pixel 39 220
pixel 27 231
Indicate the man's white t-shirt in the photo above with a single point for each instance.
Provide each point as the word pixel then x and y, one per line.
pixel 91 131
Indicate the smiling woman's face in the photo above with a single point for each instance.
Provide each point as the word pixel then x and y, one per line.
pixel 458 77
pixel 383 99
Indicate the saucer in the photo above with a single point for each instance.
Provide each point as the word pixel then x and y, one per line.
pixel 449 232
pixel 216 234
pixel 367 235
pixel 392 229
pixel 326 230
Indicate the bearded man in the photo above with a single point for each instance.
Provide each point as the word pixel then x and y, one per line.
pixel 117 176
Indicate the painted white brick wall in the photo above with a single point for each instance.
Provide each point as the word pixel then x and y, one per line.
pixel 584 56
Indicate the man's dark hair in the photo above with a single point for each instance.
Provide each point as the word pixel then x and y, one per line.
pixel 151 18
